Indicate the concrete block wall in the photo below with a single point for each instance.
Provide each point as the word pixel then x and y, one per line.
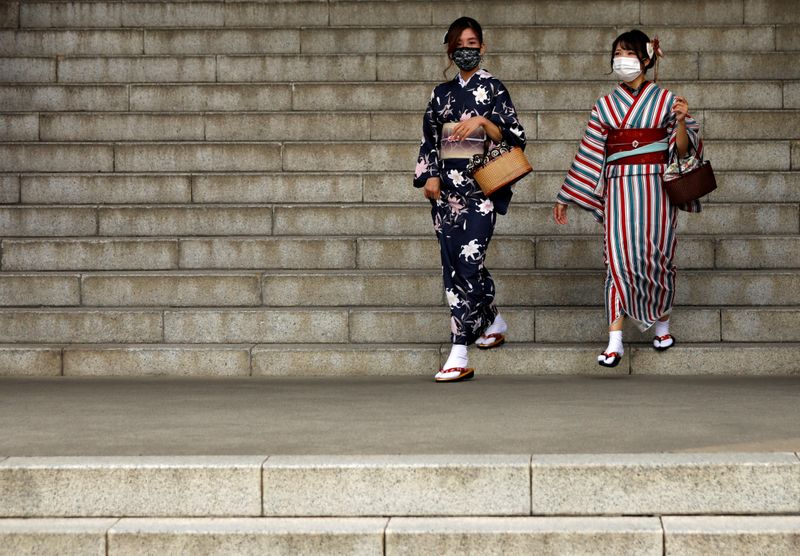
pixel 223 187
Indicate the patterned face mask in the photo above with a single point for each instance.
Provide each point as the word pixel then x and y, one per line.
pixel 467 58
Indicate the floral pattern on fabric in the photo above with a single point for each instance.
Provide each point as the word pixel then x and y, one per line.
pixel 463 217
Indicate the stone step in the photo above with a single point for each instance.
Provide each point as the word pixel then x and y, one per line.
pixel 377 67
pixel 776 535
pixel 549 324
pixel 376 288
pixel 517 357
pixel 576 535
pixel 371 253
pixel 285 325
pixel 341 126
pixel 527 95
pixel 522 219
pixel 352 220
pixel 326 187
pixel 737 534
pixel 174 14
pixel 561 485
pixel 423 39
pixel 387 13
pixel 542 187
pixel 136 221
pixel 545 155
pixel 401 485
pixel 521 359
pixel 367 156
pixel 135 486
pixel 576 95
pixel 531 288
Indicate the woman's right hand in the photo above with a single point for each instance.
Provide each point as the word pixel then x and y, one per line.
pixel 560 213
pixel 432 188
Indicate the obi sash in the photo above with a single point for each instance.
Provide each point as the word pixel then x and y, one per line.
pixel 637 146
pixel 633 146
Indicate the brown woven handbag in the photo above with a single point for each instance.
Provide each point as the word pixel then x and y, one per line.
pixel 502 167
pixel 692 185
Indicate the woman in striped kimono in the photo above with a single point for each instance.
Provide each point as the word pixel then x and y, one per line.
pixel 617 175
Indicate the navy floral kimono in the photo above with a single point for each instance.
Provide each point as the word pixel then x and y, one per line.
pixel 463 217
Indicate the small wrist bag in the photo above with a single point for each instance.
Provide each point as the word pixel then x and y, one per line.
pixel 689 180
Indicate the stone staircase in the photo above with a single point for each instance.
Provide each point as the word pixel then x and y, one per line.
pixel 483 504
pixel 223 188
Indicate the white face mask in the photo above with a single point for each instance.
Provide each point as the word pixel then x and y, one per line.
pixel 627 68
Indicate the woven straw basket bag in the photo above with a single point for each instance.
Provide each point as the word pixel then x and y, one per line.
pixel 502 170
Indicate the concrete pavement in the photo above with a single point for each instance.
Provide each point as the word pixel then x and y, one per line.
pixel 493 415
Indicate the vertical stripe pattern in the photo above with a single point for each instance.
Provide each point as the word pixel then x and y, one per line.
pixel 639 220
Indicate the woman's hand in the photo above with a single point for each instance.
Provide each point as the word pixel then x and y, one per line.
pixel 465 128
pixel 680 107
pixel 560 213
pixel 432 188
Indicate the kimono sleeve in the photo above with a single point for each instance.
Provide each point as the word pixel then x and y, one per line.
pixel 504 116
pixel 695 148
pixel 586 171
pixel 428 160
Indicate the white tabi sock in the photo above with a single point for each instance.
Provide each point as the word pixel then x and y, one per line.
pixel 458 357
pixel 662 329
pixel 499 326
pixel 615 342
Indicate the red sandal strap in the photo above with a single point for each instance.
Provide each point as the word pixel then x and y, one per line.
pixel 664 338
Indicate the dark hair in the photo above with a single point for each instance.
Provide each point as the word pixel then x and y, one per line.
pixel 636 41
pixel 454 33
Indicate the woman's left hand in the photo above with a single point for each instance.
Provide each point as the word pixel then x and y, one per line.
pixel 466 127
pixel 680 107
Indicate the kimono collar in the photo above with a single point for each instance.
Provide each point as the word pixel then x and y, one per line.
pixel 465 83
pixel 634 92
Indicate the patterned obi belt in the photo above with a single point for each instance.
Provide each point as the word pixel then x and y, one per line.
pixel 637 146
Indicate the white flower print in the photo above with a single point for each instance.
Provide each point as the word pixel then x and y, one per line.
pixel 422 167
pixel 466 115
pixel 452 298
pixel 486 207
pixel 471 251
pixel 481 95
pixel 484 74
pixel 456 176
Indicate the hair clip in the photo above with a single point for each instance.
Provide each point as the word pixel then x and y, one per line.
pixel 654 46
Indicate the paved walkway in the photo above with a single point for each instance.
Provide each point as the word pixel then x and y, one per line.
pixel 71 416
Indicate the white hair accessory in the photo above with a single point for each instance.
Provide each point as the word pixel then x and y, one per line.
pixel 650 49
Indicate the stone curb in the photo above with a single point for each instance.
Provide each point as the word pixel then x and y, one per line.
pixel 401 485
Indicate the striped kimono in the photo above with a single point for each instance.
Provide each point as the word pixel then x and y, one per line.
pixel 630 201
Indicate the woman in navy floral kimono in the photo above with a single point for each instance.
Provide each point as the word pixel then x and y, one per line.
pixel 462 113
